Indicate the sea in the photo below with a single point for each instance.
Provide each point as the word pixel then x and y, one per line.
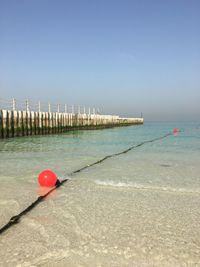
pixel 140 208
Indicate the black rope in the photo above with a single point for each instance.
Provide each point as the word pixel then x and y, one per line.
pixel 15 219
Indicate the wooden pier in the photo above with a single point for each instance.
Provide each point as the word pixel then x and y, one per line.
pixel 25 122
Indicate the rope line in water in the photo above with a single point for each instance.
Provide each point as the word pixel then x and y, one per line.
pixel 16 219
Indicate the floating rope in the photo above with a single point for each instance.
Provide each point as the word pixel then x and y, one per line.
pixel 15 219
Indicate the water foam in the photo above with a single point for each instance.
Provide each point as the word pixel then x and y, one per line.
pixel 111 183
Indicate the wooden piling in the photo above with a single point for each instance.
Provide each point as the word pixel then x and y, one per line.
pixel 1 124
pixel 23 123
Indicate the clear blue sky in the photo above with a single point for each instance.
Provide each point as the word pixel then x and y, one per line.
pixel 125 56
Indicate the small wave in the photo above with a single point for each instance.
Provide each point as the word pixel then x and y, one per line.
pixel 145 187
pixel 112 183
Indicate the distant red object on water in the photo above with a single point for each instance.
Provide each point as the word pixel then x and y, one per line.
pixel 47 178
pixel 176 131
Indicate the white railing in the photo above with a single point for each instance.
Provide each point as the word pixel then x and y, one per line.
pixel 29 105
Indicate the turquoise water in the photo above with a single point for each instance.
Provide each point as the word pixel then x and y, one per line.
pixel 137 209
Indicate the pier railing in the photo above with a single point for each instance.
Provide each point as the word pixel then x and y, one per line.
pixel 22 118
pixel 40 106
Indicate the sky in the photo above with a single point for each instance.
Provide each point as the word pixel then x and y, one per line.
pixel 121 56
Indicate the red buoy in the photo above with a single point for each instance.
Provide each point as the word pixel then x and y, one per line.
pixel 175 130
pixel 47 178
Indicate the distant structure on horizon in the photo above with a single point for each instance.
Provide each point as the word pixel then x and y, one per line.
pixel 25 118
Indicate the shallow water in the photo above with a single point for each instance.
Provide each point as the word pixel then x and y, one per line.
pixel 136 209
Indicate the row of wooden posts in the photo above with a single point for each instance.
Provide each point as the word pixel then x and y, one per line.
pixel 23 123
pixel 39 106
